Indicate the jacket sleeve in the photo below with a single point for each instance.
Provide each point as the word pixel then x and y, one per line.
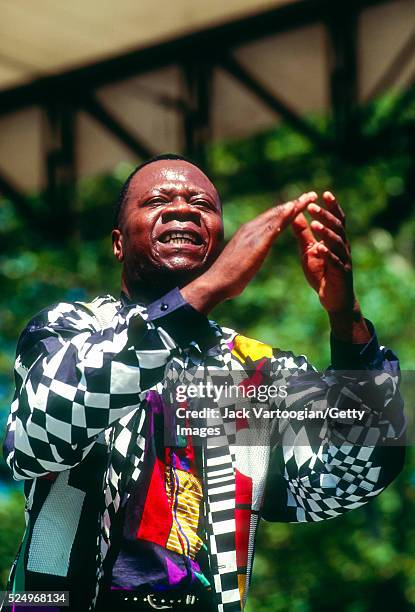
pixel 342 441
pixel 74 380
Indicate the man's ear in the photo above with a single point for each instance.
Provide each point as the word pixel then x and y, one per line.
pixel 117 244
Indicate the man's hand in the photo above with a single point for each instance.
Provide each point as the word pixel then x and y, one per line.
pixel 325 254
pixel 327 264
pixel 242 257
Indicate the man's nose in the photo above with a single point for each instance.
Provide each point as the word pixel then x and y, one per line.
pixel 179 209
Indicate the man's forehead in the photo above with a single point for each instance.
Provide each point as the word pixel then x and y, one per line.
pixel 173 175
pixel 165 173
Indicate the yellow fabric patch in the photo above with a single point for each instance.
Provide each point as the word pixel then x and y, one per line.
pixel 247 347
pixel 184 491
pixel 241 584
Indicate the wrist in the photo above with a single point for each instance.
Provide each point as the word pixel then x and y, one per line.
pixel 202 294
pixel 349 324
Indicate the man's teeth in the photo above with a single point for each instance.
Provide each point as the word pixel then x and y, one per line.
pixel 179 238
pixel 179 241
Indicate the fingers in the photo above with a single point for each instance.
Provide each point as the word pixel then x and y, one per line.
pixel 288 212
pixel 328 223
pixel 332 240
pixel 326 227
pixel 334 207
pixel 302 232
pixel 301 203
pixel 275 219
pixel 331 258
pixel 327 218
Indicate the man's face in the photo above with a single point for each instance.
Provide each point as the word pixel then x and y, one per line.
pixel 171 229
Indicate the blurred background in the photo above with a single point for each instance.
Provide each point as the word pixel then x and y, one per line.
pixel 272 97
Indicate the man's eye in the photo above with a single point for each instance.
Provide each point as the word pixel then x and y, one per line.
pixel 201 202
pixel 156 200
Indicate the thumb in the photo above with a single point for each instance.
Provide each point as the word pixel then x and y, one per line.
pixel 290 210
pixel 303 233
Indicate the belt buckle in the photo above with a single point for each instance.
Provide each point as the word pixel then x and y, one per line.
pixel 155 605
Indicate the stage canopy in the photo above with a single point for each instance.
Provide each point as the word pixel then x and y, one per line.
pixel 86 84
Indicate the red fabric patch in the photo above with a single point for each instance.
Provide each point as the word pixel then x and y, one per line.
pixel 156 520
pixel 257 377
pixel 242 517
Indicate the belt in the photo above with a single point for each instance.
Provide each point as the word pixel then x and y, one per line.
pixel 159 601
pixel 141 601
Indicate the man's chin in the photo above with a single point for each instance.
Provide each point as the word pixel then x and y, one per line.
pixel 181 275
pixel 166 276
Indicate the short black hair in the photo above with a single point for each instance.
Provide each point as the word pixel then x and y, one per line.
pixel 122 198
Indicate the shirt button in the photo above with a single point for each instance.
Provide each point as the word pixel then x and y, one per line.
pixel 164 306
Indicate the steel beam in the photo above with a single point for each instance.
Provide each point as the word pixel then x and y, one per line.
pixel 233 67
pixel 108 120
pixel 60 168
pixel 342 27
pixel 197 74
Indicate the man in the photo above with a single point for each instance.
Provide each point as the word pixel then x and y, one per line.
pixel 125 508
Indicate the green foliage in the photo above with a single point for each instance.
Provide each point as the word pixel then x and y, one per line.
pixel 365 560
pixel 11 531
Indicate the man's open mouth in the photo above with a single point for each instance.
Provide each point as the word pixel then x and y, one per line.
pixel 180 237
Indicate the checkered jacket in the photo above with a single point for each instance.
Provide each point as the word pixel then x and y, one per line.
pixel 76 435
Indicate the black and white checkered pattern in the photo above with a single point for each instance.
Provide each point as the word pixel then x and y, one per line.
pixel 81 375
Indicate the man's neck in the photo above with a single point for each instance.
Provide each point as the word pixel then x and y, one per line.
pixel 147 291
